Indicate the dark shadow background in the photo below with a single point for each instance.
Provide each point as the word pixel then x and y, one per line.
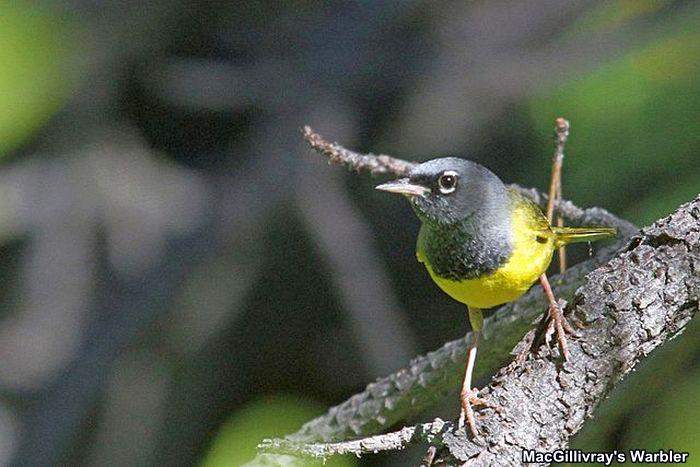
pixel 182 277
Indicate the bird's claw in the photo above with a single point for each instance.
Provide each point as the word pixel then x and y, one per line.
pixel 476 401
pixel 559 325
pixel 469 400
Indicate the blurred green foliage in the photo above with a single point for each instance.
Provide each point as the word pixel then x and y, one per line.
pixel 635 124
pixel 670 422
pixel 269 417
pixel 613 15
pixel 34 79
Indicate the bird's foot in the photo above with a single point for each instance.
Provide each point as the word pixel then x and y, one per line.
pixel 474 399
pixel 467 413
pixel 469 400
pixel 559 325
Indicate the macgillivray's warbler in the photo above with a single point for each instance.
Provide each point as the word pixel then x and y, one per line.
pixel 484 244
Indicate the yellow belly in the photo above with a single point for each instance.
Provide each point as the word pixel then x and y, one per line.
pixel 529 260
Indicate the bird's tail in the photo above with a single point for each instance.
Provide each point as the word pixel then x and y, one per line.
pixel 566 235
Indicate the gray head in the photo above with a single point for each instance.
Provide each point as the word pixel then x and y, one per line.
pixel 450 189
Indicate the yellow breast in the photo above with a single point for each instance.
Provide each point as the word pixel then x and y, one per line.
pixel 532 253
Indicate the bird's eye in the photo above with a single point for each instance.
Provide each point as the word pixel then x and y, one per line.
pixel 448 182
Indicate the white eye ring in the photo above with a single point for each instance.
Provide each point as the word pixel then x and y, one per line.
pixel 448 182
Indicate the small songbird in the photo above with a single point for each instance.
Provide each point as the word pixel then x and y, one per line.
pixel 483 243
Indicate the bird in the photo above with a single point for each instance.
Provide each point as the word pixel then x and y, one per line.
pixel 484 244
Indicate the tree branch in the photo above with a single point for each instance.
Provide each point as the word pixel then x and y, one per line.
pixel 383 164
pixel 645 295
pixel 374 164
pixel 393 441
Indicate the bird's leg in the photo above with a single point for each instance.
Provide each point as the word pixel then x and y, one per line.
pixel 557 319
pixel 469 396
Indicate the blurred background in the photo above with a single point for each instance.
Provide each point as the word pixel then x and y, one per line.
pixel 182 277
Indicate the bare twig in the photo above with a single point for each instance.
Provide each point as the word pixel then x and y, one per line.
pixel 375 164
pixel 382 164
pixel 562 131
pixel 427 432
pixel 562 249
pixel 562 128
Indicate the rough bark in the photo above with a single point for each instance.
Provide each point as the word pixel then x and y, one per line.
pixel 643 296
pixel 631 297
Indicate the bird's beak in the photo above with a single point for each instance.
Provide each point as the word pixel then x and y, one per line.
pixel 403 186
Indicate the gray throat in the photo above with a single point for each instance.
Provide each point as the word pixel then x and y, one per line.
pixel 471 247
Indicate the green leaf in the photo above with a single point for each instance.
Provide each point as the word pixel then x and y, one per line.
pixel 635 123
pixel 270 417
